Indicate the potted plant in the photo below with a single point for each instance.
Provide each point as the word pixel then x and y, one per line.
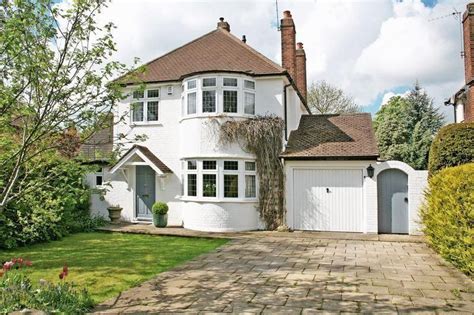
pixel 160 214
pixel 115 213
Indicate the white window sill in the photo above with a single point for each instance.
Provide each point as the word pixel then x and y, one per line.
pixel 217 200
pixel 217 115
pixel 144 124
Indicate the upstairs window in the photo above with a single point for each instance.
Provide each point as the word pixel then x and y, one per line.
pixel 191 84
pixel 249 84
pixel 230 82
pixel 208 101
pixel 249 103
pixel 230 101
pixel 153 93
pixel 191 107
pixel 209 82
pixel 146 108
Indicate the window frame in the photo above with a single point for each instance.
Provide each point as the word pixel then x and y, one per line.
pixel 145 100
pixel 250 173
pixel 219 172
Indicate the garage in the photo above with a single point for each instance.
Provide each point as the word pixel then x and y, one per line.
pixel 328 200
pixel 335 182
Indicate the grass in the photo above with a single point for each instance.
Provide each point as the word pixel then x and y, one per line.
pixel 109 263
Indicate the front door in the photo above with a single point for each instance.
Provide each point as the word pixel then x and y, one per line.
pixel 145 191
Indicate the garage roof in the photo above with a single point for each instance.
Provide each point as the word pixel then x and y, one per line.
pixel 333 136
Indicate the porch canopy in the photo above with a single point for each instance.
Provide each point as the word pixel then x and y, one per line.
pixel 141 155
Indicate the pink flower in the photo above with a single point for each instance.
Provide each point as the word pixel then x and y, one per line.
pixel 65 270
pixel 61 275
pixel 28 263
pixel 8 265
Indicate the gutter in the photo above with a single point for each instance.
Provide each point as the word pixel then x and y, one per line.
pixel 285 109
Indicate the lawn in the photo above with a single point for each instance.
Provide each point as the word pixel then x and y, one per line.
pixel 108 263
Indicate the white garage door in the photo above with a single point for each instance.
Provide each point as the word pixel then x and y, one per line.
pixel 327 200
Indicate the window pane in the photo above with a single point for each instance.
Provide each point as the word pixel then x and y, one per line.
pixel 250 186
pixel 230 82
pixel 192 165
pixel 152 111
pixel 208 101
pixel 249 103
pixel 250 166
pixel 192 185
pixel 98 180
pixel 209 165
pixel 231 165
pixel 137 111
pixel 231 186
pixel 230 101
pixel 191 84
pixel 249 84
pixel 153 93
pixel 209 82
pixel 192 103
pixel 208 185
pixel 137 94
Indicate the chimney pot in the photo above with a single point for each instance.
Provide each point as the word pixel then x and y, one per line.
pixel 223 24
pixel 244 39
pixel 299 45
pixel 287 14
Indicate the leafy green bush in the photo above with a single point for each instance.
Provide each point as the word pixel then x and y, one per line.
pixel 17 292
pixel 159 208
pixel 448 215
pixel 55 202
pixel 452 146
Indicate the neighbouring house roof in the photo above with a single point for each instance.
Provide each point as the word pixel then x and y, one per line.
pixel 146 155
pixel 98 148
pixel 217 51
pixel 333 136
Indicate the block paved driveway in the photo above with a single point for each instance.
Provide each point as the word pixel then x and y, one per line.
pixel 298 274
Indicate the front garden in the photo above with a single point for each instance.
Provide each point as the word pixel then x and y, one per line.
pixel 104 263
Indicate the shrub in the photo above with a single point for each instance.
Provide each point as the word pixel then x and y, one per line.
pixel 452 146
pixel 159 208
pixel 56 203
pixel 17 292
pixel 448 215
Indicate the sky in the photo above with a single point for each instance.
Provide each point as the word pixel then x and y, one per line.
pixel 372 49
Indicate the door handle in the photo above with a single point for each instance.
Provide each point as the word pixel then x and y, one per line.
pixel 406 199
pixel 146 195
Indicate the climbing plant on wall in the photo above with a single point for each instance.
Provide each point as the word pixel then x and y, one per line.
pixel 262 136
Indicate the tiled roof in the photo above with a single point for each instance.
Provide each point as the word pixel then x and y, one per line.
pixel 153 158
pixel 341 136
pixel 218 50
pixel 98 147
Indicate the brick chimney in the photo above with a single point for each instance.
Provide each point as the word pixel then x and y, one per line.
pixel 468 30
pixel 288 44
pixel 301 69
pixel 223 24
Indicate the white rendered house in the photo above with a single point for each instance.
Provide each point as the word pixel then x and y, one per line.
pixel 214 187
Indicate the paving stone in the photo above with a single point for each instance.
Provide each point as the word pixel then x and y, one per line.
pixel 303 273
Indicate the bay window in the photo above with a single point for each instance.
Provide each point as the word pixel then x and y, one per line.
pixel 219 94
pixel 220 179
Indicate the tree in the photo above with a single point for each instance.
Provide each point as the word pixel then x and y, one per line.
pixel 54 73
pixel 405 128
pixel 324 98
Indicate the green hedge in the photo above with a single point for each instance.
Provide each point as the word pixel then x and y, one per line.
pixel 57 204
pixel 452 146
pixel 448 215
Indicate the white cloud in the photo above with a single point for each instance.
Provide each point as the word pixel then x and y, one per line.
pixel 387 96
pixel 366 46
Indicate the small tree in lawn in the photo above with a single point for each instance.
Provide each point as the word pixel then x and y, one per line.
pixel 405 128
pixel 54 69
pixel 324 98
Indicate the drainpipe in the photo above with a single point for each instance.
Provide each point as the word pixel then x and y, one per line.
pixel 285 110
